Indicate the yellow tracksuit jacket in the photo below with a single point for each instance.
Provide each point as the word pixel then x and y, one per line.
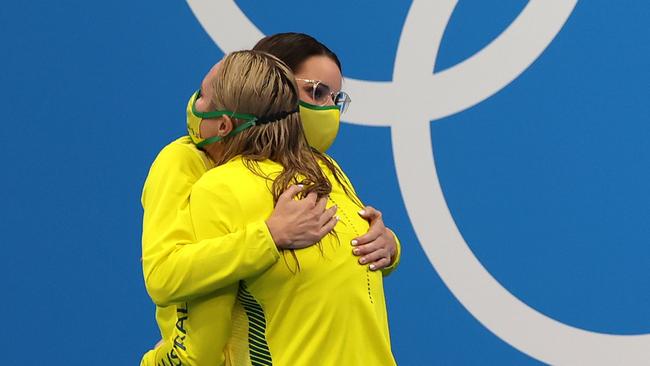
pixel 323 309
pixel 178 267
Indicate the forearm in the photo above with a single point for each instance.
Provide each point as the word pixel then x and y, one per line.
pixel 201 333
pixel 190 270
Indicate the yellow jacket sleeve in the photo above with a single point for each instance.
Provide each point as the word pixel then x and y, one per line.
pixel 176 266
pixel 206 326
pixel 202 331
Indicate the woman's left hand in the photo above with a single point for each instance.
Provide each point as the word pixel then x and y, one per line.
pixel 377 247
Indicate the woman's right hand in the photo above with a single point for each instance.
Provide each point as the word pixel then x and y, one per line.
pixel 297 224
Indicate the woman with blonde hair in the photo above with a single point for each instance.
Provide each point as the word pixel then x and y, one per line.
pixel 177 266
pixel 316 306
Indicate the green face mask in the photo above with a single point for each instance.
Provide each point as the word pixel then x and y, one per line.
pixel 194 119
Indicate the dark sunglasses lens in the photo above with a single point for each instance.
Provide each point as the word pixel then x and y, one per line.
pixel 321 92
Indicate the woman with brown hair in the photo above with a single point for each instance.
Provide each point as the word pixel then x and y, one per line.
pixel 177 266
pixel 314 307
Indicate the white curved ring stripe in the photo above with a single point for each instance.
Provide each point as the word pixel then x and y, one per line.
pixel 477 78
pixel 496 65
pixel 226 24
pixel 497 309
pixel 487 71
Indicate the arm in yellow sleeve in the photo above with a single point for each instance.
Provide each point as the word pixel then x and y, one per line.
pixel 204 324
pixel 176 266
pixel 203 328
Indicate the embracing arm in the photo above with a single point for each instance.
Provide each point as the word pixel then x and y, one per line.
pixel 202 330
pixel 177 270
pixel 177 267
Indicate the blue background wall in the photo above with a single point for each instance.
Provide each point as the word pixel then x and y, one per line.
pixel 547 180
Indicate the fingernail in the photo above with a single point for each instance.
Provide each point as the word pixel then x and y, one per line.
pixel 362 212
pixel 300 186
pixel 362 260
pixel 372 267
pixel 355 251
pixel 354 242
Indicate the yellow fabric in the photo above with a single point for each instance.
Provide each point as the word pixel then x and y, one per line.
pixel 193 122
pixel 329 311
pixel 321 124
pixel 398 249
pixel 176 266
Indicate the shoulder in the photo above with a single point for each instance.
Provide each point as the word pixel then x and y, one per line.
pixel 329 173
pixel 343 183
pixel 236 176
pixel 240 189
pixel 183 154
pixel 176 168
pixel 326 160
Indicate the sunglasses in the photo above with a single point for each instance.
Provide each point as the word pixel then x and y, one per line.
pixel 322 94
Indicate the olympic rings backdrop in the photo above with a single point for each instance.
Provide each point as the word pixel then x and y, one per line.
pixel 505 142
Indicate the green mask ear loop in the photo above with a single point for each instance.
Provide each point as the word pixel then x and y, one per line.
pixel 237 130
pixel 251 119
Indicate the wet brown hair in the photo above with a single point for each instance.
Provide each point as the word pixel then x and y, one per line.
pixel 258 83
